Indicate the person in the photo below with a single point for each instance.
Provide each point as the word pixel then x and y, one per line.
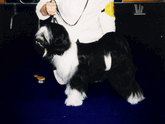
pixel 85 20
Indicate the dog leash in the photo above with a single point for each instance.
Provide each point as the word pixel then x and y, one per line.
pixel 58 12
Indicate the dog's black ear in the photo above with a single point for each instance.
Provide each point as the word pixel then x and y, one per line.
pixel 59 42
pixel 59 45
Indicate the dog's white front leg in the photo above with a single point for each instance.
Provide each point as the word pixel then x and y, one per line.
pixel 74 97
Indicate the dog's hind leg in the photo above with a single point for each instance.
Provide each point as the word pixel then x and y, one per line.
pixel 136 94
pixel 122 78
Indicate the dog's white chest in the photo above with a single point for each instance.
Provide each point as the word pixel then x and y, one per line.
pixel 66 65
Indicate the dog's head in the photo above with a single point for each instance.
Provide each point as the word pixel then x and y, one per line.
pixel 52 39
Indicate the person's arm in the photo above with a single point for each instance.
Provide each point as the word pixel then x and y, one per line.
pixel 107 18
pixel 45 8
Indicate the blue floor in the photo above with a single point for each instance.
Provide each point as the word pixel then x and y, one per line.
pixel 25 101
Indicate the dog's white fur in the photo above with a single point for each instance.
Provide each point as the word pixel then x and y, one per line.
pixel 43 30
pixel 134 99
pixel 67 64
pixel 74 97
pixel 108 61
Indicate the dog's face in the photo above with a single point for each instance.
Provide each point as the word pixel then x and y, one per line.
pixel 52 39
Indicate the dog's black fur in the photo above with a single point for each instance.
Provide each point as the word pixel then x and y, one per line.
pixel 91 62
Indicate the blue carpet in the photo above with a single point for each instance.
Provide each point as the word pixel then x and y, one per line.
pixel 25 101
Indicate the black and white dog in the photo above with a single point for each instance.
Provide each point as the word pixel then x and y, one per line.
pixel 77 64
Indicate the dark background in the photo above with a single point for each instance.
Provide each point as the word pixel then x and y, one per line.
pixel 24 101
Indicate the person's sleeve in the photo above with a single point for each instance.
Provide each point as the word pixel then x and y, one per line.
pixel 107 18
pixel 38 8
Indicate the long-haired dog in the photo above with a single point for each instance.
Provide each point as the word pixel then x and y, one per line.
pixel 76 64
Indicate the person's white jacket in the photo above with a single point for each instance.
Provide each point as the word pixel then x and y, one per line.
pixel 94 22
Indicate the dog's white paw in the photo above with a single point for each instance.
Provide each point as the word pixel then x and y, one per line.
pixel 75 98
pixel 73 102
pixel 134 99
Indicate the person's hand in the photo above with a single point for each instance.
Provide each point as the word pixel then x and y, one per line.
pixel 50 8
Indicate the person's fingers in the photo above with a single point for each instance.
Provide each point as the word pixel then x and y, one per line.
pixel 51 8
